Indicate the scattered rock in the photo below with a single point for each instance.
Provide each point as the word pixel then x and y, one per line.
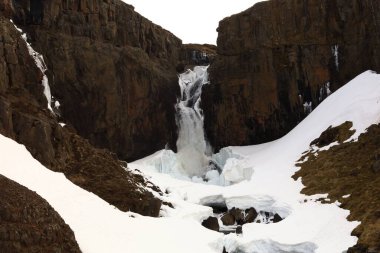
pixel 239 230
pixel 211 223
pixel 228 219
pixel 238 215
pixel 277 218
pixel 251 215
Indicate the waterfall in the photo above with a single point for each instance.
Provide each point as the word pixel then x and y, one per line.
pixel 193 149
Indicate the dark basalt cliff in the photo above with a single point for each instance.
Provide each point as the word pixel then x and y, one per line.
pixel 30 224
pixel 25 118
pixel 112 70
pixel 280 54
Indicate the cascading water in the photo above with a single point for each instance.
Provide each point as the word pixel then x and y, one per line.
pixel 194 159
pixel 193 149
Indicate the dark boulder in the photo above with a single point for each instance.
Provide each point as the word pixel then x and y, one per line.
pixel 277 218
pixel 251 215
pixel 211 223
pixel 228 219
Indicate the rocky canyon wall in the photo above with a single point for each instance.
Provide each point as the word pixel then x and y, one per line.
pixel 25 118
pixel 112 70
pixel 280 54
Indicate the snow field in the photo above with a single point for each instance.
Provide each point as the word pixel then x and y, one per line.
pixel 307 226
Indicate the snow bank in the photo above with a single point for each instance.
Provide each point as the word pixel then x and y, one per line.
pixel 98 226
pixel 308 225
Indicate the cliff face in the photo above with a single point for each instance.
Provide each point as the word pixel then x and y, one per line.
pixel 25 118
pixel 281 54
pixel 112 70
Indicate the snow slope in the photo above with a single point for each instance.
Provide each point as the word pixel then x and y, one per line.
pixel 271 188
pixel 308 226
pixel 98 226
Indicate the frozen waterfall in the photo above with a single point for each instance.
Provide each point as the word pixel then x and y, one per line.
pixel 193 149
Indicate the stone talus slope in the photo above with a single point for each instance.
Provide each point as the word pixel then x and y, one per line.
pixel 277 55
pixel 112 70
pixel 29 224
pixel 25 118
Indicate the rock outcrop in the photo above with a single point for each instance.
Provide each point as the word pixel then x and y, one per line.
pixel 281 54
pixel 112 70
pixel 30 224
pixel 25 118
pixel 345 172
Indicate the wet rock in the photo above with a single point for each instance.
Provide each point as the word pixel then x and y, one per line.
pixel 239 230
pixel 211 223
pixel 251 215
pixel 238 215
pixel 228 219
pixel 218 208
pixel 277 218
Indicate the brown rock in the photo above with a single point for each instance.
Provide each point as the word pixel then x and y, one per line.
pixel 238 215
pixel 228 219
pixel 211 223
pixel 114 71
pixel 346 169
pixel 339 133
pixel 25 118
pixel 279 54
pixel 22 232
pixel 195 55
pixel 251 215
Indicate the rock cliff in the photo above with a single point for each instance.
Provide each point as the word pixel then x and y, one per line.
pixel 25 118
pixel 280 55
pixel 112 70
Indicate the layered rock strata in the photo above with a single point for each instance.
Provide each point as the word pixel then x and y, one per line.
pixel 25 118
pixel 112 70
pixel 281 58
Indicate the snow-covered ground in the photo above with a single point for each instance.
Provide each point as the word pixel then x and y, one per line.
pixel 308 225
